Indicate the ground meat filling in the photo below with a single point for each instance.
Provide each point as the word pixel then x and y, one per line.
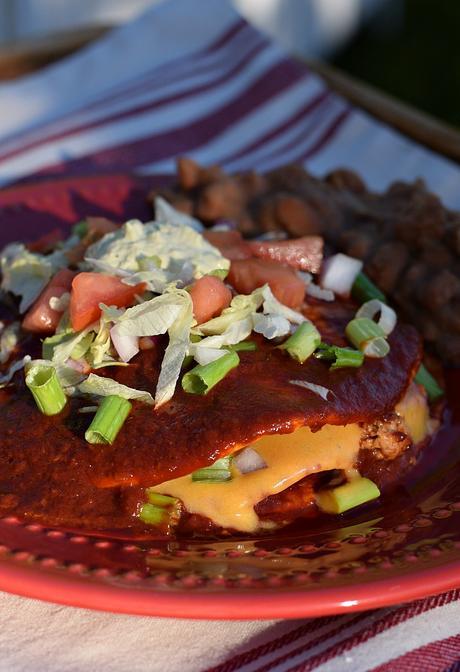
pixel 386 437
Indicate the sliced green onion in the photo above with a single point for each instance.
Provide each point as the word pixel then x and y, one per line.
pixel 377 347
pixel 215 473
pixel 340 357
pixel 367 336
pixel 80 229
pixel 244 346
pixel 108 420
pixel 203 378
pixel 431 386
pixel 188 359
pixel 153 515
pixel 364 290
pixel 303 342
pixel 387 320
pixel 347 496
pixel 160 500
pixel 46 389
pixel 219 273
pixel 159 509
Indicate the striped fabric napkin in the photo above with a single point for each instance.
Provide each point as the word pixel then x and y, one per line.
pixel 194 78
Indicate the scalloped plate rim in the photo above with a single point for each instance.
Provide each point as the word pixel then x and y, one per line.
pixel 235 605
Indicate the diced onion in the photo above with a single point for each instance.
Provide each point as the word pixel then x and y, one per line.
pixel 321 391
pixel 224 225
pixel 248 460
pixel 319 293
pixel 60 303
pixel 387 319
pixel 339 273
pixel 126 345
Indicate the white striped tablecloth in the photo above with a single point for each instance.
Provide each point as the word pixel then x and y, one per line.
pixel 194 78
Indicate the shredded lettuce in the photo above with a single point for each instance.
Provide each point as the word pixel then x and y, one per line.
pixel 150 318
pixel 155 280
pixel 61 346
pixel 5 378
pixel 9 338
pixel 164 212
pixel 271 326
pixel 176 351
pixel 172 246
pixel 24 273
pixel 235 333
pixel 205 355
pixel 100 346
pixel 241 307
pixel 105 387
pixel 271 306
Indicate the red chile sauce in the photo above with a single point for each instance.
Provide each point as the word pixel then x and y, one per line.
pixel 51 475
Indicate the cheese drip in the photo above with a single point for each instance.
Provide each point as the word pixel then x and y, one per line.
pixel 289 458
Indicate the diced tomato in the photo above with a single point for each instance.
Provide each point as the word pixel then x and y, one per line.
pixel 247 275
pixel 47 242
pixel 41 318
pixel 304 253
pixel 230 244
pixel 91 289
pixel 210 296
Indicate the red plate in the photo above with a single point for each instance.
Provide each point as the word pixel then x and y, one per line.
pixel 406 547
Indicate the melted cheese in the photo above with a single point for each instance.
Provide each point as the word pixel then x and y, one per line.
pixel 289 458
pixel 415 413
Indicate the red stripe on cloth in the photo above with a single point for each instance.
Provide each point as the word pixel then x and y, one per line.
pixel 301 115
pixel 302 154
pixel 432 657
pixel 225 68
pixel 328 134
pixel 180 140
pixel 381 625
pixel 160 74
pixel 247 657
pixel 237 66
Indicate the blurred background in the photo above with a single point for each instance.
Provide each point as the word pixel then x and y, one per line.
pixel 403 47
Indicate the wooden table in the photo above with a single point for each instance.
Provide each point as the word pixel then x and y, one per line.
pixel 27 56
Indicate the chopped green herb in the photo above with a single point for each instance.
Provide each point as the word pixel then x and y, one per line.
pixel 367 336
pixel 340 357
pixel 424 377
pixel 203 378
pixel 80 229
pixel 243 346
pixel 160 500
pixel 46 389
pixel 218 472
pixel 159 509
pixel 364 290
pixel 108 420
pixel 303 342
pixel 357 491
pixel 153 515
